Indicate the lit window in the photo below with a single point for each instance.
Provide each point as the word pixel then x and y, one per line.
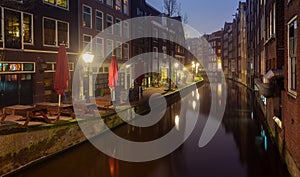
pixel 126 7
pixel 27 28
pixel 1 25
pixel 118 5
pixel 59 3
pixel 12 29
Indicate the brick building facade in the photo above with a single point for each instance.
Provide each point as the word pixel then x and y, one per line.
pixel 291 100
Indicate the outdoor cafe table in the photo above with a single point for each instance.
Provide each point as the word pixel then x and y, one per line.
pixel 54 108
pixel 26 111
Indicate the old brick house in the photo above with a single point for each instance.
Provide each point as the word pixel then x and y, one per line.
pixel 290 95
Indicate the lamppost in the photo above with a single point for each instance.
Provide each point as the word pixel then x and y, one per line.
pixel 176 67
pixel 193 68
pixel 88 59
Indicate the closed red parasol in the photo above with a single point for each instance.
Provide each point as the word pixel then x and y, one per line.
pixel 113 73
pixel 62 74
pixel 113 77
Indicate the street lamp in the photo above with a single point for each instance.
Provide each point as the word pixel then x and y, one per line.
pixel 176 65
pixel 88 59
pixel 197 68
pixel 193 67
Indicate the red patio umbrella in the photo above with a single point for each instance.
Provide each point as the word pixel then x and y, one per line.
pixel 113 76
pixel 62 74
pixel 113 73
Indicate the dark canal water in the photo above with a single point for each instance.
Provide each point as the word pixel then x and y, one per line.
pixel 240 148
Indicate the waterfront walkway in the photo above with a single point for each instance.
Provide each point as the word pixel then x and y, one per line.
pixel 15 120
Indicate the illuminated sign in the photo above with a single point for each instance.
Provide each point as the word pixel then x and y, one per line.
pixel 17 67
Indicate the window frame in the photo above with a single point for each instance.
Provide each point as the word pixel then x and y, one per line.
pixel 110 52
pixel 111 4
pixel 1 23
pixel 118 25
pixel 126 7
pixel 56 32
pixel 91 16
pixel 2 26
pixel 31 27
pixel 58 6
pixel 117 5
pixel 124 49
pixel 112 23
pixel 125 32
pixel 119 48
pixel 292 91
pixel 97 17
pixel 85 43
pixel 102 48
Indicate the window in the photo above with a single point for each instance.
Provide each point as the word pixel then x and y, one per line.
pixel 27 28
pixel 118 5
pixel 101 1
pixel 49 32
pixel 119 50
pixel 99 20
pixel 87 16
pixel 126 7
pixel 109 47
pixel 126 29
pixel 126 51
pixel 87 43
pixel 63 29
pixel 109 22
pixel 12 30
pixel 1 37
pixel 292 48
pixel 55 32
pixel 16 25
pixel 118 27
pixel 109 2
pixel 99 47
pixel 59 3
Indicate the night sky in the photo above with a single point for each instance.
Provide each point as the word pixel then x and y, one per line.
pixel 206 16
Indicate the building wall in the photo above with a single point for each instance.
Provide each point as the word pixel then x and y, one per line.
pixel 291 104
pixel 37 52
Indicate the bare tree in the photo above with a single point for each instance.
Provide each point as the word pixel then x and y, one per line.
pixel 185 18
pixel 171 7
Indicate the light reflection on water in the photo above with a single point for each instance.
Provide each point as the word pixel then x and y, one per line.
pixel 239 149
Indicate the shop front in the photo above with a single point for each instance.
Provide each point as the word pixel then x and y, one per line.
pixel 16 85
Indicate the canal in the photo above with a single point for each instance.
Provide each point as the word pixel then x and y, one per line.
pixel 240 148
